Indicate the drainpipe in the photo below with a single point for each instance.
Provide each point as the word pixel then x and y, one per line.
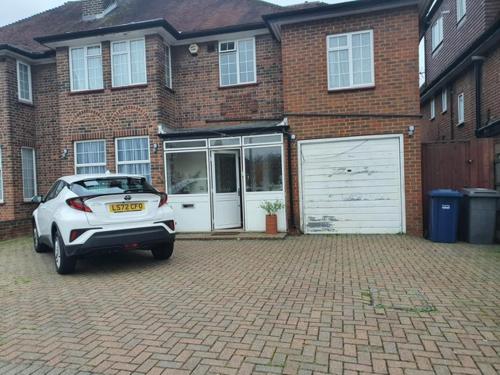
pixel 452 122
pixel 478 68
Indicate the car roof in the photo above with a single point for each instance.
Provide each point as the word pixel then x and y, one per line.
pixel 81 177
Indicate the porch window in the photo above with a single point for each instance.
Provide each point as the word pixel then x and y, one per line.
pixel 1 177
pixel 237 62
pixel 28 165
pixel 86 68
pixel 90 157
pixel 187 172
pixel 263 169
pixel 132 156
pixel 128 62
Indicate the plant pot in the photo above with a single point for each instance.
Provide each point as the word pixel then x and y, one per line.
pixel 271 224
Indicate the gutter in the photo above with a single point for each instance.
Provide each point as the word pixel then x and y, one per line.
pixel 28 54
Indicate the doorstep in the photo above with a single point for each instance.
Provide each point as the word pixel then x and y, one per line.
pixel 229 235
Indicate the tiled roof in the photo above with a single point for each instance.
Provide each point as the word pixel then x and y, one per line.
pixel 183 15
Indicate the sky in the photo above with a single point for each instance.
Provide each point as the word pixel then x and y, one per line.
pixel 13 10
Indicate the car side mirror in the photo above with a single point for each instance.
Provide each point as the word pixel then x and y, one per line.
pixel 37 199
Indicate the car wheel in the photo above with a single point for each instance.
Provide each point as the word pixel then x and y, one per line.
pixel 37 245
pixel 163 252
pixel 64 263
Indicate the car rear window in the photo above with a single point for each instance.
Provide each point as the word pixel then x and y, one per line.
pixel 118 185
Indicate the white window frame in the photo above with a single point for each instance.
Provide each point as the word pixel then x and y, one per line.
pixel 91 164
pixel 24 100
pixel 349 48
pixel 444 100
pixel 118 163
pixel 433 109
pixel 236 41
pixel 461 4
pixel 35 188
pixel 2 193
pixel 128 41
pixel 461 109
pixel 85 62
pixel 168 62
pixel 440 34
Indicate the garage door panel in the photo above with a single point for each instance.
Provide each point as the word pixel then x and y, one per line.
pixel 352 186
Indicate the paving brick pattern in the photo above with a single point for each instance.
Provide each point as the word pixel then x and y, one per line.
pixel 297 306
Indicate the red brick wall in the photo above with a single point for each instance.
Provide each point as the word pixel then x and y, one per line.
pixel 199 97
pixel 457 37
pixel 393 103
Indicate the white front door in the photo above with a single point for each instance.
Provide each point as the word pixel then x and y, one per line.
pixel 226 189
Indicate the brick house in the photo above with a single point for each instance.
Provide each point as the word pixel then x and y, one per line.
pixel 461 95
pixel 314 105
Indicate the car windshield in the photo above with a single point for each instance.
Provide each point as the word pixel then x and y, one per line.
pixel 115 185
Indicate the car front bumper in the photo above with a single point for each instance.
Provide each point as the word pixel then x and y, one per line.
pixel 145 238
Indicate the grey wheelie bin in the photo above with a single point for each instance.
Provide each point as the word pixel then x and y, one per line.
pixel 479 215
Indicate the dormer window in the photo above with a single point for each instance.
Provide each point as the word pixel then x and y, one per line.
pixel 86 68
pixel 237 62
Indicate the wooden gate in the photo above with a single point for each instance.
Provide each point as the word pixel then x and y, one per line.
pixel 455 165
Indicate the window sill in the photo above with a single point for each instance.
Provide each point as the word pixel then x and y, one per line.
pixel 461 124
pixel 83 92
pixel 461 21
pixel 170 90
pixel 28 201
pixel 138 86
pixel 354 88
pixel 25 102
pixel 443 112
pixel 436 50
pixel 239 85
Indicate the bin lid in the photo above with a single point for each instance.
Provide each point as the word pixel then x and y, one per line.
pixel 480 193
pixel 448 193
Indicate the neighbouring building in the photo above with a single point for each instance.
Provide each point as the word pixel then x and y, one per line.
pixel 461 95
pixel 223 104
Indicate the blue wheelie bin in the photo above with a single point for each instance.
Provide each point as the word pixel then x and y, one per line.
pixel 443 215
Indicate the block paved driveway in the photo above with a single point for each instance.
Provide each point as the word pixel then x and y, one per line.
pixel 308 305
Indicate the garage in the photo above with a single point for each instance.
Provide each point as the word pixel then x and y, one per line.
pixel 352 185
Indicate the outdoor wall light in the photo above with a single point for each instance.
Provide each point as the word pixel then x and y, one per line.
pixel 64 154
pixel 156 148
pixel 411 130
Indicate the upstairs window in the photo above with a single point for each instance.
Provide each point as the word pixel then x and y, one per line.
pixel 350 60
pixel 132 156
pixel 168 67
pixel 444 100
pixel 433 109
pixel 86 68
pixel 128 63
pixel 24 87
pixel 461 9
pixel 90 157
pixel 237 62
pixel 28 166
pixel 461 109
pixel 437 33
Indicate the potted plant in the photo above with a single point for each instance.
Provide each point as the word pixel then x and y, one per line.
pixel 272 209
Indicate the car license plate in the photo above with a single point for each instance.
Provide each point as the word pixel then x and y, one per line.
pixel 118 208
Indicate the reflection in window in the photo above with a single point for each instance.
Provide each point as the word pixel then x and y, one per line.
pixel 187 173
pixel 263 169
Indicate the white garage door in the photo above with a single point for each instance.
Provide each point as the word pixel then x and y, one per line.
pixel 352 185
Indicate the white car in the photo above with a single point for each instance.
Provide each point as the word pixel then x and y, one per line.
pixel 93 214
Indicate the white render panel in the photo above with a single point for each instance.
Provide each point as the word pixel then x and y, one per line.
pixel 352 185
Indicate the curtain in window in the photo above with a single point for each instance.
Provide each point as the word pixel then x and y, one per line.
pixel 361 59
pixel 339 62
pixel 138 61
pixel 263 169
pixel 91 157
pixel 28 172
pixel 120 64
pixel 94 68
pixel 228 68
pixel 133 156
pixel 78 68
pixel 246 59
